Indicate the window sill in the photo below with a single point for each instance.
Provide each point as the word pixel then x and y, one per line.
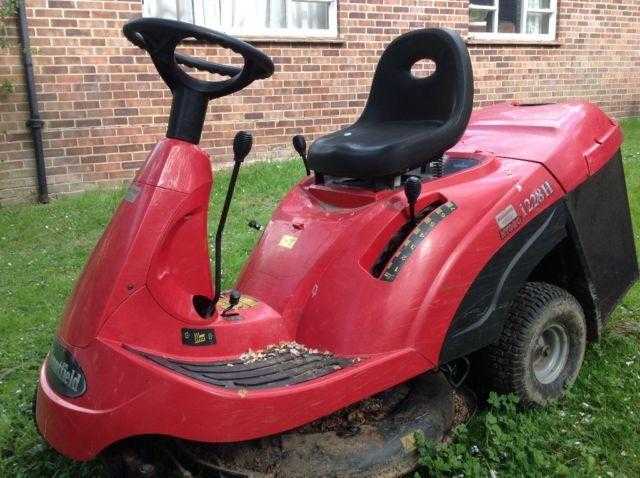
pixel 511 42
pixel 266 40
pixel 299 40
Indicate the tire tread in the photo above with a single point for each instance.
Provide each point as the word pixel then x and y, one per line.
pixel 501 359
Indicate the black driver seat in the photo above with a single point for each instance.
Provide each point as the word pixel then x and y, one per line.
pixel 407 121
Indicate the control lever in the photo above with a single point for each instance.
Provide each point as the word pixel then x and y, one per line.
pixel 253 224
pixel 242 144
pixel 300 145
pixel 412 190
pixel 234 299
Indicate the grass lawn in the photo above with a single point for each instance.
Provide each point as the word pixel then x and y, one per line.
pixel 595 431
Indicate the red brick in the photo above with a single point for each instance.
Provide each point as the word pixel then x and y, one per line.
pixel 105 105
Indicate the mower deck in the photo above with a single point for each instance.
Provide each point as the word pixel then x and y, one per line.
pixel 373 438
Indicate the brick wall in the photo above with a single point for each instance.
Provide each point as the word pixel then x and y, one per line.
pixel 105 106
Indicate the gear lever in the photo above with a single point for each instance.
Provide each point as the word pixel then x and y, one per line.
pixel 412 190
pixel 300 145
pixel 241 147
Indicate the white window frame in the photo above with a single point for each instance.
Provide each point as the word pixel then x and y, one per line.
pixel 209 13
pixel 496 35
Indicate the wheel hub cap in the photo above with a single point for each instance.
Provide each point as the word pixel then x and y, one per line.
pixel 551 352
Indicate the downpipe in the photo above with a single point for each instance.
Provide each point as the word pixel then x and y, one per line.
pixel 34 123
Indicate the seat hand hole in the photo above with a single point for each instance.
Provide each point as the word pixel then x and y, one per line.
pixel 423 68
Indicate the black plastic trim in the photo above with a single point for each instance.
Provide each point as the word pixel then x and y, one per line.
pixel 601 228
pixel 481 315
pixel 595 219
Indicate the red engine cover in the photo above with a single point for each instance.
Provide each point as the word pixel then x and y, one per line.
pixel 572 140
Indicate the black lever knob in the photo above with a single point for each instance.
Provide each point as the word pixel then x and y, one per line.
pixel 253 224
pixel 242 144
pixel 412 190
pixel 234 297
pixel 300 145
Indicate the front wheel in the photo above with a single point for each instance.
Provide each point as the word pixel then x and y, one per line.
pixel 541 348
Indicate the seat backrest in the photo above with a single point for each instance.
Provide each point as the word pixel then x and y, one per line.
pixel 445 96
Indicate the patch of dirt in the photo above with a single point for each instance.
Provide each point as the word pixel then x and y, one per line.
pixel 347 421
pixel 265 454
pixel 462 408
pixel 234 459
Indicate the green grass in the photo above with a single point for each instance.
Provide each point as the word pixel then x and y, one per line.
pixel 42 251
pixel 594 432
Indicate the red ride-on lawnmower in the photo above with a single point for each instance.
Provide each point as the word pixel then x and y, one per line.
pixel 422 236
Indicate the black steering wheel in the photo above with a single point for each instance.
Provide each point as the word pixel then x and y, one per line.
pixel 160 37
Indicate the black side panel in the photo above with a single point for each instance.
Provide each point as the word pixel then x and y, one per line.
pixel 481 315
pixel 601 228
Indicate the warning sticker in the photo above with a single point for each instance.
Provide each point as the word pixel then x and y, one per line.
pixel 287 241
pixel 508 220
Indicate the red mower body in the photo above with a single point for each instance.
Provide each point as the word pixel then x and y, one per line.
pixel 526 190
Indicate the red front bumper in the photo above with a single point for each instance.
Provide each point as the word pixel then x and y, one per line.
pixel 128 395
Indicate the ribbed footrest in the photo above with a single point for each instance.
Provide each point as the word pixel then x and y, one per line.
pixel 274 367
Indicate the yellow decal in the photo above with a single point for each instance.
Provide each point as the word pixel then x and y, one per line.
pixel 246 302
pixel 287 241
pixel 408 442
pixel 199 337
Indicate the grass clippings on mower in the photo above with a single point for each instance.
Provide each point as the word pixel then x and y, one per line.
pixel 283 348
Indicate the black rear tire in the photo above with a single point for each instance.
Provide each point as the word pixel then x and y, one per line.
pixel 540 351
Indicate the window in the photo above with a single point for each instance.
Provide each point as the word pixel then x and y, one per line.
pixel 513 19
pixel 253 18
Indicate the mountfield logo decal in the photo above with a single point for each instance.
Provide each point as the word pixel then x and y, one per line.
pixel 64 374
